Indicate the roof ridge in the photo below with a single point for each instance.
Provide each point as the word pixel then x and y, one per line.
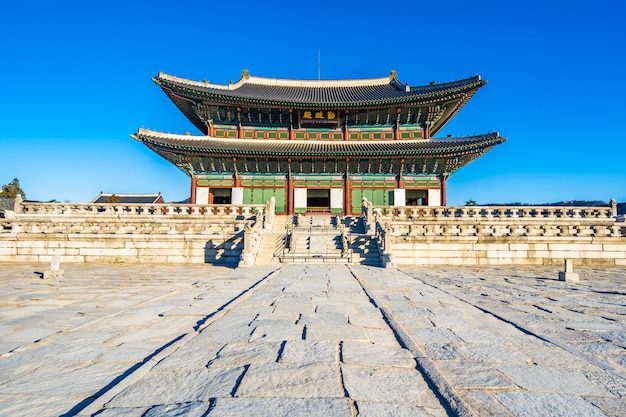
pixel 287 82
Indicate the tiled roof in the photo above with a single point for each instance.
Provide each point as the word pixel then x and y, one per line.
pixel 6 203
pixel 333 93
pixel 206 145
pixel 128 198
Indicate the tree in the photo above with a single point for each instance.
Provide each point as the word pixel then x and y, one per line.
pixel 12 189
pixel 113 198
pixel 470 202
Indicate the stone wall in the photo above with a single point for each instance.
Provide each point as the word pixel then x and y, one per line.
pixel 500 235
pixel 35 232
pixel 129 248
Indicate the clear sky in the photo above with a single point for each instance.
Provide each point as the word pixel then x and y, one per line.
pixel 76 82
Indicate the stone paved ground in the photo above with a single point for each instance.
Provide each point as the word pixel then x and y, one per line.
pixel 154 340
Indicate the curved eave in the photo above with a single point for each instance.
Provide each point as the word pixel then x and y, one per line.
pixel 420 95
pixel 208 146
pixel 185 105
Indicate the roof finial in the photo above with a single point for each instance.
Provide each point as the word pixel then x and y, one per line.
pixel 392 75
pixel 245 74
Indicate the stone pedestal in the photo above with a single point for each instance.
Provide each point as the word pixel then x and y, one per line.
pixel 55 271
pixel 568 275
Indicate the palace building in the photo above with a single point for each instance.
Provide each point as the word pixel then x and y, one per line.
pixel 318 145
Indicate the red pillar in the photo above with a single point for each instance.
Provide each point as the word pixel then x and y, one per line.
pixel 192 199
pixel 396 132
pixel 289 197
pixel 443 190
pixel 348 195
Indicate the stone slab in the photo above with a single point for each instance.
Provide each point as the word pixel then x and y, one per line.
pixel 279 407
pixel 525 404
pixel 164 387
pixel 291 380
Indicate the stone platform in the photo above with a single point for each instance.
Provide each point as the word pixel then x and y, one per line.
pixel 323 340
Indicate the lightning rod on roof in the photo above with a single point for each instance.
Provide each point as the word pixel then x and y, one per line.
pixel 318 63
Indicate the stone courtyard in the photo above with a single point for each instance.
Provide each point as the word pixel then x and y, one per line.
pixel 311 340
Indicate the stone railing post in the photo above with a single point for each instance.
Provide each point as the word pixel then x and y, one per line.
pixel 270 214
pixel 247 254
pixel 613 208
pixel 367 211
pixel 17 204
pixel 388 260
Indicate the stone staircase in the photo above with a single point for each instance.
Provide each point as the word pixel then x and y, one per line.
pixel 273 243
pixel 316 240
pixel 315 244
pixel 364 247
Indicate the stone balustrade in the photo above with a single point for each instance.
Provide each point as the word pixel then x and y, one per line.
pixel 501 229
pixel 472 213
pixel 524 235
pixel 252 239
pixel 99 226
pixel 161 233
pixel 113 209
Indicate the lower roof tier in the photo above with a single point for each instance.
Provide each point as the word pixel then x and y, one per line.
pixel 205 154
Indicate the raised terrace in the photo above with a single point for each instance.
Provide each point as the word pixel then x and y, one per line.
pixel 248 235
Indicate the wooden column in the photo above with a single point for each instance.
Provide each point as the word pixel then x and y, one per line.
pixel 346 133
pixel 347 198
pixel 192 198
pixel 443 189
pixel 289 196
pixel 239 127
pixel 396 132
pixel 292 133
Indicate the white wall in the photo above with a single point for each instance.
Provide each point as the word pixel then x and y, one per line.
pixel 434 198
pixel 399 197
pixel 202 195
pixel 299 198
pixel 236 196
pixel 336 198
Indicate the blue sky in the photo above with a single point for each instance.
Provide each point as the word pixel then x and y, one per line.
pixel 77 82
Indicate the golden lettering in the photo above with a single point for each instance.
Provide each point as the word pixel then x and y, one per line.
pixel 330 115
pixel 319 115
pixel 307 115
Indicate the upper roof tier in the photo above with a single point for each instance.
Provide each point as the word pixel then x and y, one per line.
pixel 378 92
pixel 429 106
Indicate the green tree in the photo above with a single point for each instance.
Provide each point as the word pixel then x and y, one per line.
pixel 114 198
pixel 12 189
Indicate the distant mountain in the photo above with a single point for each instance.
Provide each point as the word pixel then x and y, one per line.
pixel 595 203
pixel 585 203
